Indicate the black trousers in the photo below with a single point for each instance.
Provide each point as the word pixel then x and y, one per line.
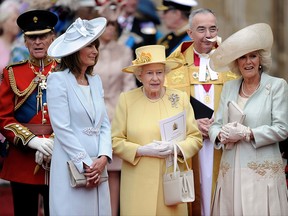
pixel 26 198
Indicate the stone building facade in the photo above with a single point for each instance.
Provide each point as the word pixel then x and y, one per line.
pixel 233 15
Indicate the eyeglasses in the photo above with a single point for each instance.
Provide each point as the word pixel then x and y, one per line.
pixel 41 36
pixel 201 29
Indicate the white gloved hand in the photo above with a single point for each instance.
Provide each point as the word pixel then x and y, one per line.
pixel 233 132
pixel 40 157
pixel 154 150
pixel 44 145
pixel 169 144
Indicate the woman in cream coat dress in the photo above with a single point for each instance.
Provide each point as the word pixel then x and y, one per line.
pixel 136 126
pixel 80 122
pixel 251 178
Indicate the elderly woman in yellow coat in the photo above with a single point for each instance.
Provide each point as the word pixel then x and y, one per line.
pixel 136 134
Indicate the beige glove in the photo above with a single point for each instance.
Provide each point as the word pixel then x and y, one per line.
pixel 233 132
pixel 154 150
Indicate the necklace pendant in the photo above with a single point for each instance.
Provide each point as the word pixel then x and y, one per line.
pixel 207 99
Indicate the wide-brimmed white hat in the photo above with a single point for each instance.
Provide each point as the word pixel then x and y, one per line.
pixel 148 55
pixel 251 38
pixel 78 35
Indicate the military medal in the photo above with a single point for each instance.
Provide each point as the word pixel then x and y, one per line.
pixel 41 81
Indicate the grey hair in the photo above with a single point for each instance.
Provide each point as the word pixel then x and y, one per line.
pixel 139 70
pixel 265 62
pixel 199 11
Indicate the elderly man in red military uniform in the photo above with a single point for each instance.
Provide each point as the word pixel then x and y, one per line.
pixel 24 117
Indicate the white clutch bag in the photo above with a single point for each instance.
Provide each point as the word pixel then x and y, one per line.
pixel 78 179
pixel 178 185
pixel 235 113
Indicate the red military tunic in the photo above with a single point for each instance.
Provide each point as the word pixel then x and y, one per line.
pixel 21 119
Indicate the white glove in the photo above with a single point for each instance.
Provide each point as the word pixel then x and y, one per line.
pixel 44 145
pixel 40 157
pixel 233 132
pixel 169 144
pixel 154 150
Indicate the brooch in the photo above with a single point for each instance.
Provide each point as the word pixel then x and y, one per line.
pixel 174 98
pixel 268 87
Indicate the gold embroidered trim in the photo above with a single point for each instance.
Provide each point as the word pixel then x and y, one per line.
pixel 14 86
pixel 16 91
pixel 224 167
pixel 20 132
pixel 272 167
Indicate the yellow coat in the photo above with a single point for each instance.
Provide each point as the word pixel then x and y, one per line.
pixel 136 123
pixel 184 78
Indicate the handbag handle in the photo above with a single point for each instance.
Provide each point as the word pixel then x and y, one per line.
pixel 175 158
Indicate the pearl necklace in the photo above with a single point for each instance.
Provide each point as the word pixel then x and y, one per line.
pixel 245 94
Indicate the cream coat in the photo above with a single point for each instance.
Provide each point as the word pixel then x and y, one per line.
pixel 136 123
pixel 251 176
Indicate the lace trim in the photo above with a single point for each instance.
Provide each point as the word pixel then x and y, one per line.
pixel 90 131
pixel 79 157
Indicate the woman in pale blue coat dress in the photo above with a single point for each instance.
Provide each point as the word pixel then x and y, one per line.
pixel 251 178
pixel 80 122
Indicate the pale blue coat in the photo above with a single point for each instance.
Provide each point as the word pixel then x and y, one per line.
pixel 251 175
pixel 70 115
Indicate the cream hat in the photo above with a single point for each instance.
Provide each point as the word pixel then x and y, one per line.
pixel 78 35
pixel 254 37
pixel 148 55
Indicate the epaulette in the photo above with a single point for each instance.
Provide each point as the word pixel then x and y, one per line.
pixel 17 63
pixel 58 60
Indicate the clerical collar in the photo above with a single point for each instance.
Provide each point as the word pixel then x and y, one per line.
pixel 202 54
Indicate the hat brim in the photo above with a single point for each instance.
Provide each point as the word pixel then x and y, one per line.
pixel 169 64
pixel 61 47
pixel 252 38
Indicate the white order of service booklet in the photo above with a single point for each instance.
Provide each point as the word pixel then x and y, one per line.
pixel 173 129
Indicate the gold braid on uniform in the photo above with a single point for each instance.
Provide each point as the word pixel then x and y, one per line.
pixel 20 132
pixel 18 93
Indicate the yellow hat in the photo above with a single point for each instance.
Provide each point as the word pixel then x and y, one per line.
pixel 148 55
